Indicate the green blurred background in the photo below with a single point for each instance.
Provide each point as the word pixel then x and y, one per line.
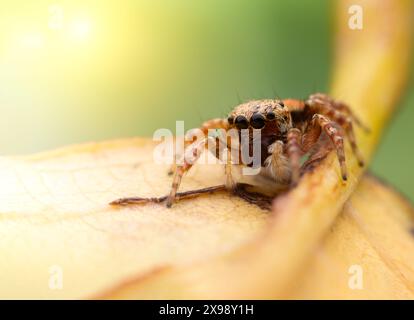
pixel 76 71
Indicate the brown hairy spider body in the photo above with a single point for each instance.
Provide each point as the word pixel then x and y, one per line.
pixel 289 130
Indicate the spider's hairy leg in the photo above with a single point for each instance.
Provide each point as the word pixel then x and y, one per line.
pixel 339 113
pixel 217 123
pixel 294 152
pixel 322 98
pixel 191 153
pixel 230 183
pixel 347 110
pixel 312 134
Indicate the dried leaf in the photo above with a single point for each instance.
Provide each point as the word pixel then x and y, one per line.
pixel 372 240
pixel 55 219
pixel 266 268
pixel 54 215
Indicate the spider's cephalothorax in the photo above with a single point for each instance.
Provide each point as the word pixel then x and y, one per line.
pixel 289 129
pixel 271 117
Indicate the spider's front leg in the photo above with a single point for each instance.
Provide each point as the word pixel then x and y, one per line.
pixel 217 123
pixel 324 99
pixel 339 113
pixel 193 152
pixel 313 132
pixel 191 155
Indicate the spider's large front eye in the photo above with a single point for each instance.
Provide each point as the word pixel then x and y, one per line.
pixel 257 121
pixel 270 115
pixel 241 122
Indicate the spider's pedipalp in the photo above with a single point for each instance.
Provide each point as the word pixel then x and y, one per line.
pixel 277 163
pixel 294 152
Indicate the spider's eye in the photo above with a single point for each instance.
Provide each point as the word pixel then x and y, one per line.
pixel 282 103
pixel 257 121
pixel 230 120
pixel 270 115
pixel 241 122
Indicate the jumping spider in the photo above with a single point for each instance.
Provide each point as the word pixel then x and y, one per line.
pixel 289 128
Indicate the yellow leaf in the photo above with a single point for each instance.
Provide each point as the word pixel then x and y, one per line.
pixel 370 72
pixel 55 218
pixel 61 239
pixel 372 238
